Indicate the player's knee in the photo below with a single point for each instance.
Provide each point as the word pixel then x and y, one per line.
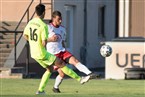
pixel 76 61
pixel 49 69
pixel 61 74
pixel 73 60
pixel 59 63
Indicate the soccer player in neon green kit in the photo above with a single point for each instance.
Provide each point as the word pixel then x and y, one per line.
pixel 36 33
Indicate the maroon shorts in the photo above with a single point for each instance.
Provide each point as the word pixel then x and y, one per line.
pixel 64 55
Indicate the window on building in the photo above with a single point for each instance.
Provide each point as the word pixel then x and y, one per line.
pixel 69 25
pixel 101 21
pixel 68 28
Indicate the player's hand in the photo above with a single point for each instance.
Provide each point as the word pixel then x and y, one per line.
pixel 54 38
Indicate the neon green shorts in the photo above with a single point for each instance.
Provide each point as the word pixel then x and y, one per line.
pixel 47 61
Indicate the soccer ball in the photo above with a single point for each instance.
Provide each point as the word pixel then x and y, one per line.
pixel 106 50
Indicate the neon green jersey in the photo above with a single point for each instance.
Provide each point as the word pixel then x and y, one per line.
pixel 37 31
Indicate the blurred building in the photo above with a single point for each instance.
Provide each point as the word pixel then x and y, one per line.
pixel 88 24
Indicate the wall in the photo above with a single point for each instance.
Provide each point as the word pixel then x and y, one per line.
pixel 13 10
pixel 93 58
pixel 125 54
pixel 137 18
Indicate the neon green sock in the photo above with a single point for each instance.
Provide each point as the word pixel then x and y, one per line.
pixel 44 81
pixel 70 73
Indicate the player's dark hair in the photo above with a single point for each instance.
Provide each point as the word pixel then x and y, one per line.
pixel 56 13
pixel 50 21
pixel 39 9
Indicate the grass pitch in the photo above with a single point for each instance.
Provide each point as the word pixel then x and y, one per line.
pixel 72 88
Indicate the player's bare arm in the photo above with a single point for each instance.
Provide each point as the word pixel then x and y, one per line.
pixel 54 38
pixel 44 43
